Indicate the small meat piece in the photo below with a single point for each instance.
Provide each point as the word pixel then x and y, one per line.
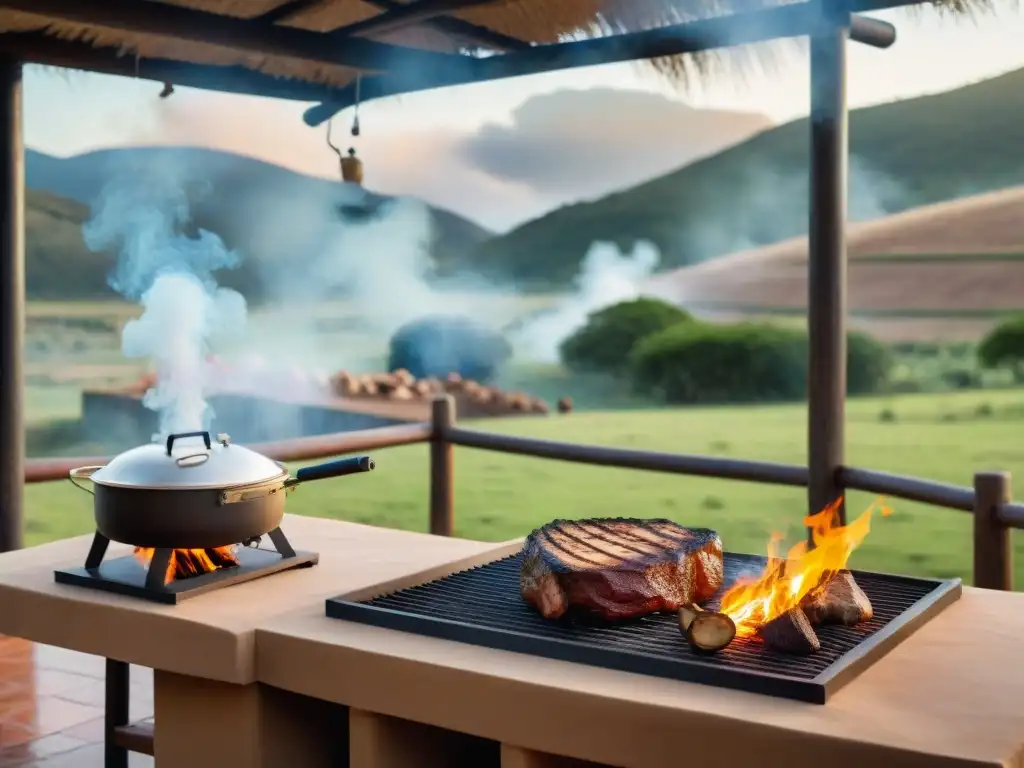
pixel 565 405
pixel 790 633
pixel 839 601
pixel 619 569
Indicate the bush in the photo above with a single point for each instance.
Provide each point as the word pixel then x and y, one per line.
pixel 1003 347
pixel 697 363
pixel 869 364
pixel 440 345
pixel 603 344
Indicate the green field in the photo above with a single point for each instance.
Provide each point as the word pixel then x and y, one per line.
pixel 945 437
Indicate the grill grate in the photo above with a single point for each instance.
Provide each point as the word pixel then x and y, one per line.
pixel 483 606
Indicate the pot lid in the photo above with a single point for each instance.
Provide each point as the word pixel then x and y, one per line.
pixel 189 461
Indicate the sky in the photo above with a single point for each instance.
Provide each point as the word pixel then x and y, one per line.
pixel 428 144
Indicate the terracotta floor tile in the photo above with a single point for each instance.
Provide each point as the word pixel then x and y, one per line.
pixel 52 657
pixel 94 694
pixel 89 757
pixel 90 731
pixel 39 749
pixel 53 682
pixel 53 715
pixel 14 646
pixel 12 734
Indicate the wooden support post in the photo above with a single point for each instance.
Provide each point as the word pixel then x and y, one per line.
pixel 12 304
pixel 993 555
pixel 442 468
pixel 826 282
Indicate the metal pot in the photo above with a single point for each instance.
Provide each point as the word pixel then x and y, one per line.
pixel 188 494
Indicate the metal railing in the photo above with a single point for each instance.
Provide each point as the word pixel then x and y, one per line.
pixel 989 500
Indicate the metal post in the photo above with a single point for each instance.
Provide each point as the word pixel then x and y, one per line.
pixel 993 550
pixel 442 469
pixel 826 300
pixel 12 304
pixel 116 715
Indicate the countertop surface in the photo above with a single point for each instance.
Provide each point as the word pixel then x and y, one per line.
pixel 952 694
pixel 210 635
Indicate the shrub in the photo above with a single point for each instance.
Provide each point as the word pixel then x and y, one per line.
pixel 869 364
pixel 1003 347
pixel 439 345
pixel 697 363
pixel 603 344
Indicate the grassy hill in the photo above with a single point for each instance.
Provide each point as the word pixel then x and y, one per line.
pixel 259 208
pixel 914 275
pixel 904 155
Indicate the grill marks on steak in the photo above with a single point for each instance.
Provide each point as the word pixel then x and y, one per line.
pixel 619 568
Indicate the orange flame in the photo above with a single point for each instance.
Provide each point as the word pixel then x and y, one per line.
pixel 786 581
pixel 191 562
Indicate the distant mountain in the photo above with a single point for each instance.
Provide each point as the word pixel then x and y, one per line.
pixel 261 209
pixel 903 155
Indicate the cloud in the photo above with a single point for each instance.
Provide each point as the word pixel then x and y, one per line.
pixel 584 143
pixel 558 147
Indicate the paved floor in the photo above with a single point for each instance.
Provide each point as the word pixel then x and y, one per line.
pixel 51 707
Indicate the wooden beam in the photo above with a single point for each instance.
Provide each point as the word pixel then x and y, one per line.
pixel 38 48
pixel 458 29
pixel 289 10
pixel 790 20
pixel 177 23
pixel 406 15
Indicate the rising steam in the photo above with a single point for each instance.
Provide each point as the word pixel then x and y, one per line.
pixel 143 217
pixel 607 276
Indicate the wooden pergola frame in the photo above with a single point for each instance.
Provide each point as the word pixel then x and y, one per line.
pixel 393 70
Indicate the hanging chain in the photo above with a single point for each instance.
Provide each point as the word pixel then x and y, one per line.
pixel 355 118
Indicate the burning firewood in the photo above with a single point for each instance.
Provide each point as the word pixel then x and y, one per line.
pixel 839 601
pixel 790 633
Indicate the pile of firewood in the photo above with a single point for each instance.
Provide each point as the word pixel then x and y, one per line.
pixel 472 398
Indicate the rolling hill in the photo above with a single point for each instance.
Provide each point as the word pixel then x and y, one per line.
pixel 914 275
pixel 903 155
pixel 251 204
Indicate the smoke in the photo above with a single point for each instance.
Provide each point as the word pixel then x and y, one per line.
pixel 607 276
pixel 143 216
pixel 770 204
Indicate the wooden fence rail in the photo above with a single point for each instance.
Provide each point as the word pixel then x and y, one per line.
pixel 989 501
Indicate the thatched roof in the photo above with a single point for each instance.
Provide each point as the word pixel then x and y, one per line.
pixel 446 26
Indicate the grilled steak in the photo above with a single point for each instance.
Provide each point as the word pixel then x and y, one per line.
pixel 617 569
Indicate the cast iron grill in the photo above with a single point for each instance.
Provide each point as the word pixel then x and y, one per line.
pixel 482 606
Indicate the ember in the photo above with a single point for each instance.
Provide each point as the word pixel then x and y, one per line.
pixel 191 562
pixel 787 581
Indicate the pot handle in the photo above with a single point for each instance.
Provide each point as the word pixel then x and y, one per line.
pixel 204 435
pixel 338 468
pixel 82 473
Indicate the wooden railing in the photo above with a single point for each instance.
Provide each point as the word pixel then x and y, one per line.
pixel 989 500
